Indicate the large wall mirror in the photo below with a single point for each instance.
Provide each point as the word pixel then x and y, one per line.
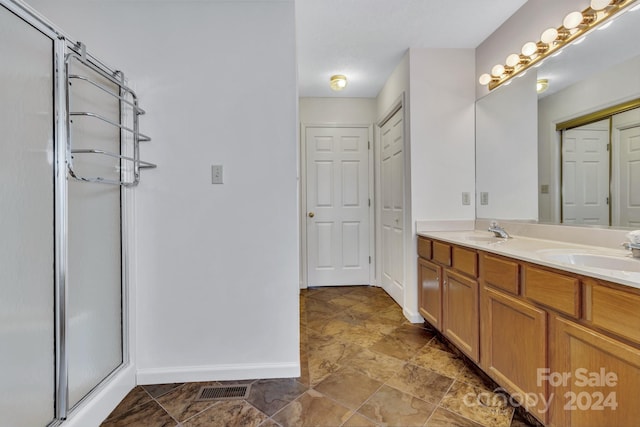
pixel 586 134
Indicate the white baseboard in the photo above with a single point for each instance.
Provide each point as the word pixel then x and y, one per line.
pixel 412 317
pixel 217 373
pixel 97 407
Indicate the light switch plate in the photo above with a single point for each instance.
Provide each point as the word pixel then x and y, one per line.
pixel 216 174
pixel 484 198
pixel 544 189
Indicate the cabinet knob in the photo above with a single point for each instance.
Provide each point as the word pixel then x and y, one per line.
pixel 311 214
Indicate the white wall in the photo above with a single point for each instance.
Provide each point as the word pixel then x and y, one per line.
pixel 525 25
pixel 442 143
pixel 217 284
pixel 354 111
pixel 616 85
pixel 439 143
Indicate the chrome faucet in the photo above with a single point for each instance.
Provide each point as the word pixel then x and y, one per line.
pixel 498 231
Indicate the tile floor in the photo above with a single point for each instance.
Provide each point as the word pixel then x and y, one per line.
pixel 363 365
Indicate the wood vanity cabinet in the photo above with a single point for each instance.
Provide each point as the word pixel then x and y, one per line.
pixel 430 292
pixel 570 340
pixel 514 347
pixel 602 377
pixel 460 312
pixel 448 292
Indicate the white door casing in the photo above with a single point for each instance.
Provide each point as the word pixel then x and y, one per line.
pixel 337 206
pixel 585 175
pixel 392 205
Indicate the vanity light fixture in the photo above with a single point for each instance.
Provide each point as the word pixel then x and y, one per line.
pixel 574 26
pixel 338 82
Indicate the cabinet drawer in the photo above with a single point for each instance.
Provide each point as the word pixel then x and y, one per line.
pixel 554 290
pixel 465 261
pixel 424 248
pixel 614 310
pixel 442 253
pixel 500 273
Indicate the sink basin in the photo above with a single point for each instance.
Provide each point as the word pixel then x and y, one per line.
pixel 592 260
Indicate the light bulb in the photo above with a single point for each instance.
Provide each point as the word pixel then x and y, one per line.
pixel 513 60
pixel 549 36
pixel 338 82
pixel 484 79
pixel 572 20
pixel 497 70
pixel 599 4
pixel 529 48
pixel 542 85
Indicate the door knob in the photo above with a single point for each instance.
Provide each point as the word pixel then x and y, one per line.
pixel 311 214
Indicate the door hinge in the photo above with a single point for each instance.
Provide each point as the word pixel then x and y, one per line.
pixel 608 146
pixel 369 259
pixel 369 202
pixel 607 200
pixel 369 145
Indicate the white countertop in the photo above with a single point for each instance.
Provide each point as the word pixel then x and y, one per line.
pixel 534 250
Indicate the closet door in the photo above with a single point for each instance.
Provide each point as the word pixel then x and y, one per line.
pixel 27 364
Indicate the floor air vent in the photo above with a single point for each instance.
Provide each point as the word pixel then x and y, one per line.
pixel 223 392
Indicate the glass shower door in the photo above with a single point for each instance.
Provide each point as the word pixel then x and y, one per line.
pixel 27 353
pixel 94 281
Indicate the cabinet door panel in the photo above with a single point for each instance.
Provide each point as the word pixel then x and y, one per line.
pixel 514 347
pixel 461 323
pixel 602 377
pixel 430 297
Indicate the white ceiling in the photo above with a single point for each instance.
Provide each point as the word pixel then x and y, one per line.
pixel 366 39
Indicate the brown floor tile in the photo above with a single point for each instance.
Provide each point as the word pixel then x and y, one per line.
pixel 180 404
pixel 374 365
pixel 392 407
pixel 135 398
pixel 148 414
pixel 348 387
pixel 270 396
pixel 442 362
pixel 422 383
pixel 312 409
pixel 228 413
pixel 443 418
pixel 358 420
pixel 395 346
pixel 157 390
pixel 479 404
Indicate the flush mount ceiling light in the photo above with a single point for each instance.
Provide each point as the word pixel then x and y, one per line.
pixel 574 26
pixel 542 85
pixel 338 82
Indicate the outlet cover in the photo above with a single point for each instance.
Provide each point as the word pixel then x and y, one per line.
pixel 484 198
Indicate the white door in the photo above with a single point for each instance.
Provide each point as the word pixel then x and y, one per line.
pixel 392 193
pixel 337 192
pixel 630 177
pixel 585 175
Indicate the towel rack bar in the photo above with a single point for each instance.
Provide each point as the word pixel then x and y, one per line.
pixel 137 109
pixel 142 163
pixel 139 164
pixel 141 137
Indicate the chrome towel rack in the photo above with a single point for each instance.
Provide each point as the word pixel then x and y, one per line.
pixel 126 98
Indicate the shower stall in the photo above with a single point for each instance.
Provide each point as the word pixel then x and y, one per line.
pixel 69 160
